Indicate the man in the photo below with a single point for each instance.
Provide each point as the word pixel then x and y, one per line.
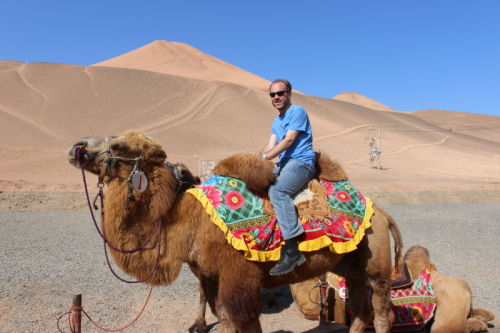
pixel 290 141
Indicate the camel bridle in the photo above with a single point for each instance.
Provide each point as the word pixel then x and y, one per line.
pixel 79 151
pixel 110 161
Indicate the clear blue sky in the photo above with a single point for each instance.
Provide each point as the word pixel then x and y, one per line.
pixel 408 54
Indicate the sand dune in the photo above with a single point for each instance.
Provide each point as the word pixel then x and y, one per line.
pixel 184 60
pixel 356 98
pixel 186 100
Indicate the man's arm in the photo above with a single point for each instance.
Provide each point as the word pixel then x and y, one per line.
pixel 273 148
pixel 273 141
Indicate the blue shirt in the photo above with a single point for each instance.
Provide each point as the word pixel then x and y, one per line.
pixel 295 118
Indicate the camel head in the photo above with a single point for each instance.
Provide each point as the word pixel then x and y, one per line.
pixel 417 259
pixel 88 153
pixel 115 156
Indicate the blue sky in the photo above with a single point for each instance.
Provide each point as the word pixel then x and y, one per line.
pixel 408 54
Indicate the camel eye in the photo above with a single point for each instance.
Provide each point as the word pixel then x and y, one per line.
pixel 81 143
pixel 119 147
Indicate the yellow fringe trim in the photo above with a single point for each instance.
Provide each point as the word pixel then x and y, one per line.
pixel 274 255
pixel 341 247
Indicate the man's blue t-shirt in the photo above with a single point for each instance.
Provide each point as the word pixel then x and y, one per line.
pixel 295 118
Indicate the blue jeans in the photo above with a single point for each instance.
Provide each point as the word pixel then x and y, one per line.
pixel 291 179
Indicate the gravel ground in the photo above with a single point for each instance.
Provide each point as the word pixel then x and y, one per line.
pixel 48 256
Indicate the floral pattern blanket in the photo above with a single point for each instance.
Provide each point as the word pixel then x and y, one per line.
pixel 413 306
pixel 333 214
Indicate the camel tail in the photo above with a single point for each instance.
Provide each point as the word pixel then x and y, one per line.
pixel 396 236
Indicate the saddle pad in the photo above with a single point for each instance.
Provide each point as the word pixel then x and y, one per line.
pixel 400 278
pixel 413 306
pixel 239 213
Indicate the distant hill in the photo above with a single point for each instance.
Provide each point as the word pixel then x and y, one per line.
pixel 46 107
pixel 184 60
pixel 356 98
pixel 477 125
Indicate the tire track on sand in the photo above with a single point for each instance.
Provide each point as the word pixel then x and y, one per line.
pixel 19 72
pixel 406 148
pixel 30 121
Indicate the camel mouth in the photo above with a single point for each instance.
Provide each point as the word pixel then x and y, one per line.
pixel 78 156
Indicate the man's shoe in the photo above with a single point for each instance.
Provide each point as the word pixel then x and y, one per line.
pixel 290 258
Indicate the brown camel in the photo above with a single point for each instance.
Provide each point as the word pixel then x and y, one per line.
pixel 454 298
pixel 230 283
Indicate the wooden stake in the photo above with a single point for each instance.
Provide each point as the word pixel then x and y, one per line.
pixel 77 314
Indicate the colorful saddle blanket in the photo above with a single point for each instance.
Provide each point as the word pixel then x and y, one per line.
pixel 413 306
pixel 333 214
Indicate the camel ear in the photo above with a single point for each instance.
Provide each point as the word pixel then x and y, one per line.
pixel 256 172
pixel 154 154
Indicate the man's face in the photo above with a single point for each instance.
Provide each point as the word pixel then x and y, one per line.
pixel 281 103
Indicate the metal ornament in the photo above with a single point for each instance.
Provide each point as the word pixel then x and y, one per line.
pixel 139 181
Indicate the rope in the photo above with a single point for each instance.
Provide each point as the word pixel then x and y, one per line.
pixel 158 244
pixel 319 284
pixel 77 308
pixel 140 247
pixel 106 242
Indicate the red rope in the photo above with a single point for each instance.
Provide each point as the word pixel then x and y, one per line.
pixel 78 308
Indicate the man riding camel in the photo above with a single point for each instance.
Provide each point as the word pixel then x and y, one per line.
pixel 290 141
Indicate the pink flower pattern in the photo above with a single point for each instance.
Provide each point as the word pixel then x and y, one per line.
pixel 213 195
pixel 362 198
pixel 329 187
pixel 234 200
pixel 343 196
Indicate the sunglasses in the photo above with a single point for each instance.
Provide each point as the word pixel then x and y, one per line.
pixel 279 93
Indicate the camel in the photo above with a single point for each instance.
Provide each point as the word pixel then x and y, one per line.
pixel 454 298
pixel 230 283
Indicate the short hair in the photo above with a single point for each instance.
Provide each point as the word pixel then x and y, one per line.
pixel 287 84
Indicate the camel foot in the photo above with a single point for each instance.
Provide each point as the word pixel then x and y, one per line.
pixel 198 327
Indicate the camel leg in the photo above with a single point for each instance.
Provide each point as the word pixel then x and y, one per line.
pixel 453 304
pixel 210 292
pixel 240 295
pixel 475 325
pixel 358 296
pixel 378 268
pixel 358 291
pixel 381 304
pixel 225 324
pixel 200 324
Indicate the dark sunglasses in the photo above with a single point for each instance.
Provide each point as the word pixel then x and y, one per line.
pixel 279 93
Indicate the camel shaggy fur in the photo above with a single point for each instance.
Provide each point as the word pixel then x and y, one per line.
pixel 454 298
pixel 231 284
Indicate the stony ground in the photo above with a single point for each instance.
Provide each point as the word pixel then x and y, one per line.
pixel 51 252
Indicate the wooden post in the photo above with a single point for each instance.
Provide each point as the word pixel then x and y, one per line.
pixel 77 314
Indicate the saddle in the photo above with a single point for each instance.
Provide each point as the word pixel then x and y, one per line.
pixel 412 300
pixel 334 215
pixel 401 278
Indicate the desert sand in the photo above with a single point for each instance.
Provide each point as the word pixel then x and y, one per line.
pixel 203 109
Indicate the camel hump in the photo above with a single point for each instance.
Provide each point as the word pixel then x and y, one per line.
pixel 328 169
pixel 256 172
